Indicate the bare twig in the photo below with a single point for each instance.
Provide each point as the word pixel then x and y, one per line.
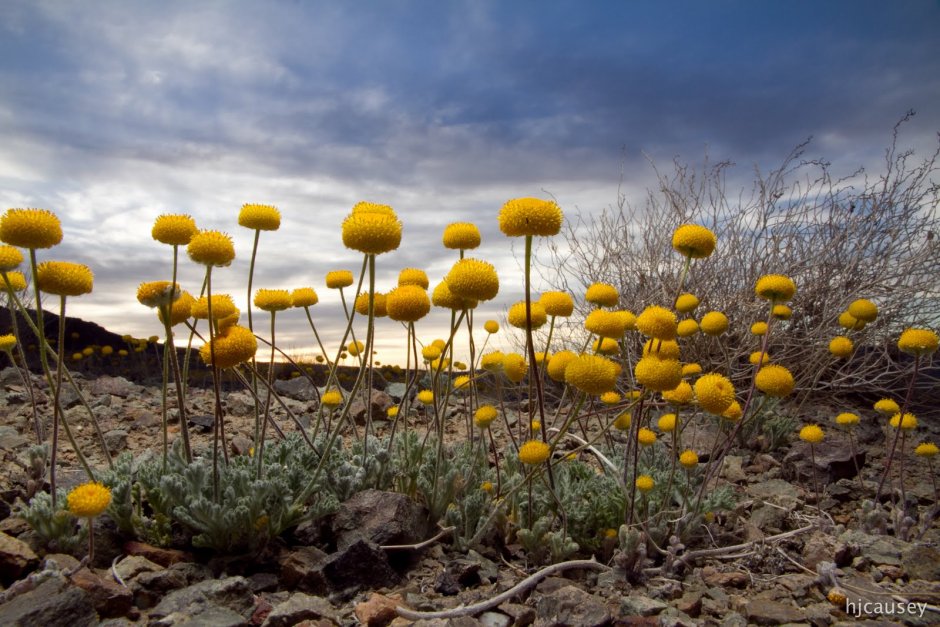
pixel 419 545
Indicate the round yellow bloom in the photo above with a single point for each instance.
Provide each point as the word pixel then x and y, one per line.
pixel 848 321
pixel 354 348
pixel 686 303
pixel 426 397
pixel 592 374
pixel 222 307
pixel 559 304
pixel 734 412
pixel 231 347
pixel 714 392
pixel 657 322
pixel 181 309
pixel 491 326
pixel 273 300
pixel 371 232
pixel 841 347
pixel 7 343
pixel 431 352
pixel 812 434
pixel 664 349
pixel 644 483
pixel 534 452
pixel 606 346
pixel 659 375
pixel 443 297
pixel 907 422
pixel 692 369
pixel 15 281
pixel 484 416
pixel 781 312
pixel 88 351
pixel 623 420
pixel 681 395
pixel 687 328
pixel 259 217
pixel 89 499
pixel 541 357
pixel 558 363
pixel 461 236
pixel 926 449
pixel 211 248
pixel 338 279
pixel 304 297
pixel 514 367
pixel 392 411
pixel 107 351
pixel 407 303
pixel 492 361
pixel 667 423
pixel 535 425
pixel 529 217
pixel 174 229
pixel 602 295
pixel 776 288
pixel 10 258
pixel 30 228
pixel 158 293
pixel 838 598
pixel 605 323
pixel 629 319
pixel 758 358
pixel 413 276
pixel 78 356
pixel 379 304
pixel 331 398
pixel 887 407
pixel 461 382
pixel 64 278
pixel 918 341
pixel 487 486
pixel 473 279
pixel 714 323
pixel 847 419
pixel 774 380
pixel 517 315
pixel 645 436
pixel 693 240
pixel 610 398
pixel 864 310
pixel 688 458
pixel 759 328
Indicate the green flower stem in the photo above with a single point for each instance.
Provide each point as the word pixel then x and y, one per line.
pixel 366 360
pixel 259 429
pixel 163 407
pixel 350 315
pixel 897 434
pixel 530 347
pixel 495 458
pixel 313 328
pixel 24 371
pixel 180 391
pixel 57 405
pixel 217 432
pixel 259 439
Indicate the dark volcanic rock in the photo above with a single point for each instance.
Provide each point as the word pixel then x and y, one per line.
pixel 380 517
pixel 360 565
pixel 300 607
pixel 299 389
pixel 53 603
pixel 571 605
pixel 16 559
pixel 213 602
pixel 109 597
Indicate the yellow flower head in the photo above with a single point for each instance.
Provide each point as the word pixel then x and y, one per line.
pixel 605 323
pixel 77 356
pixel 180 310
pixel 273 300
pixel 926 449
pixel 781 312
pixel 734 412
pixel 259 217
pixel 304 297
pixel 473 279
pixel 644 483
pixel 354 348
pixel 692 369
pixel 847 419
pixel 622 421
pixel 850 322
pixel 535 426
pixel 331 398
pixel 681 395
pixel 7 343
pixel 491 326
pixel 492 361
pixel 918 341
pixel 230 347
pixel 687 328
pixel 759 328
pixel 338 279
pixel 887 407
pixel 592 374
pixel 174 229
pixel 864 310
pixel 812 434
pixel 413 276
pixel 211 248
pixel 606 346
pixel 693 240
pixel 426 397
pixel 107 350
pixel 461 236
pixel 64 278
pixel 372 229
pixel 658 375
pixel 657 322
pixel 89 499
pixel 15 281
pixel 517 315
pixel 487 486
pixel 407 303
pixel 714 323
pixel 88 351
pixel 529 217
pixel 629 319
pixel 774 380
pixel 714 392
pixel 558 363
pixel 558 304
pixel 484 416
pixel 392 411
pixel 664 349
pixel 838 598
pixel 514 367
pixel 10 258
pixel 667 423
pixel 841 347
pixel 776 288
pixel 907 422
pixel 158 293
pixel 610 398
pixel 446 299
pixel 462 382
pixel 688 458
pixel 686 303
pixel 379 304
pixel 222 307
pixel 30 228
pixel 602 295
pixel 534 452
pixel 758 358
pixel 431 352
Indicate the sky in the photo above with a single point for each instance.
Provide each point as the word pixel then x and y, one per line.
pixel 112 113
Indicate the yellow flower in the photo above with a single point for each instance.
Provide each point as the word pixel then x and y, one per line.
pixel 174 229
pixel 759 328
pixel 304 297
pixel 605 323
pixel 443 297
pixel 664 349
pixel 530 216
pixel 558 363
pixel 681 395
pixel 222 307
pixel 687 328
pixel 645 436
pixel 535 425
pixel 926 449
pixel 629 319
pixel 259 217
pixel 559 304
pixel 610 398
pixel 602 295
pixel 461 382
pixel 733 413
pixel 688 458
pixel 774 380
pixel 379 304
pixel 273 300
pixel 667 423
pixel 15 281
pixel 413 276
pixel 89 499
pixel 331 398
pixel 181 309
pixel 848 321
pixel 864 310
pixel 541 357
pixel 492 361
pixel 392 411
pixel 534 452
pixel 514 367
pixel 231 347
pixel 338 279
pixel 487 486
pixel 776 288
pixel 781 312
pixel 592 374
pixel 211 248
pixel 714 392
pixel 692 369
pixel 838 598
pixel 659 375
pixel 657 322
pixel 354 348
pixel 644 483
pixel 686 303
pixel 7 343
pixel 841 346
pixel 64 278
pixel 30 228
pixel 887 407
pixel 622 422
pixel 759 359
pixel 158 293
pixel 847 419
pixel 491 326
pixel 473 279
pixel 918 341
pixel 107 351
pixel 372 230
pixel 78 356
pixel 714 323
pixel 10 258
pixel 812 434
pixel 88 351
pixel 426 397
pixel 461 236
pixel 606 346
pixel 693 240
pixel 484 416
pixel 431 352
pixel 407 303
pixel 907 422
pixel 517 315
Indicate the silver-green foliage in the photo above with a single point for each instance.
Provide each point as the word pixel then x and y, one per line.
pixel 57 527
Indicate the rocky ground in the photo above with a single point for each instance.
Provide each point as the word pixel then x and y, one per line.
pixel 772 561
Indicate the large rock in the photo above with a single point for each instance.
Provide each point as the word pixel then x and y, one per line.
pixel 53 603
pixel 109 597
pixel 767 612
pixel 16 559
pixel 570 605
pixel 299 389
pixel 216 601
pixel 380 517
pixel 301 607
pixel 115 386
pixel 302 569
pixel 358 566
pixel 150 587
pixel 380 404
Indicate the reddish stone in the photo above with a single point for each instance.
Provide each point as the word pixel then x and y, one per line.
pixel 379 610
pixel 164 557
pixel 110 598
